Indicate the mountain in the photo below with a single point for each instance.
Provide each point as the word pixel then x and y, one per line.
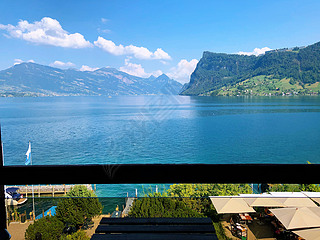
pixel 282 71
pixel 31 79
pixel 165 84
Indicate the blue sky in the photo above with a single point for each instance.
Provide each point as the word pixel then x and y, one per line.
pixel 149 37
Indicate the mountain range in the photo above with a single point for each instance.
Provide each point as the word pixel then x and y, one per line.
pixel 31 79
pixel 278 72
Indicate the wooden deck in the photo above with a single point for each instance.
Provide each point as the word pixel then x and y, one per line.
pixel 52 190
pixel 155 228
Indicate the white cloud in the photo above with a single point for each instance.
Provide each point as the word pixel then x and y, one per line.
pixel 87 68
pixel 47 31
pixel 131 50
pixel 157 73
pixel 109 46
pixel 18 61
pixel 60 64
pixel 160 54
pixel 134 69
pixel 137 70
pixel 104 20
pixel 106 31
pixel 183 70
pixel 256 51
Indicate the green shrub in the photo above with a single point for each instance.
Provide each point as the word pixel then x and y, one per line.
pixel 50 228
pixel 205 190
pixel 80 235
pixel 285 188
pixel 80 191
pixel 161 207
pixel 220 232
pixel 79 205
pixel 196 197
pixel 310 187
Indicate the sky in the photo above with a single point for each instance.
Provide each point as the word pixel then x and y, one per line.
pixel 146 38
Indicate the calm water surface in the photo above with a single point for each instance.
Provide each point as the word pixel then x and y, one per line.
pixel 160 129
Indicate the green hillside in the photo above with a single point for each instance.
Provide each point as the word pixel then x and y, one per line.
pixel 286 71
pixel 267 86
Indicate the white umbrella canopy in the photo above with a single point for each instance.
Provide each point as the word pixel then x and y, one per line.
pixel 316 199
pixel 315 196
pixel 309 234
pixel 287 194
pixel 230 205
pixel 312 194
pixel 315 210
pixel 296 201
pixel 264 202
pixel 254 195
pixel 293 218
pixel 278 199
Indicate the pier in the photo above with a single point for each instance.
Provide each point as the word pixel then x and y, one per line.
pixel 129 202
pixel 39 190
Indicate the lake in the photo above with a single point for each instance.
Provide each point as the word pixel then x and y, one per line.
pixel 160 129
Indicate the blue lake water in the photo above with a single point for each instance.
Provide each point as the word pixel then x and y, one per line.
pixel 160 129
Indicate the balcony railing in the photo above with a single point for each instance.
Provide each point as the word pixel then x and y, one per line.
pixel 153 173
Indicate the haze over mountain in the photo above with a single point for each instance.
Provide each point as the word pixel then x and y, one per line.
pixel 282 71
pixel 31 79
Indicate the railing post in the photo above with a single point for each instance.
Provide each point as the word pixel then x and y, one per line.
pixel 3 216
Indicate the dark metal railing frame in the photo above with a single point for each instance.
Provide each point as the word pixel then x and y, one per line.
pixel 153 173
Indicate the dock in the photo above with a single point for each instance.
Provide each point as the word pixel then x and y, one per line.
pixel 129 202
pixel 39 190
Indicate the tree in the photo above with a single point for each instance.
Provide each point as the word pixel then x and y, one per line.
pixel 285 188
pixel 80 205
pixel 205 190
pixel 80 235
pixel 80 191
pixel 158 205
pixel 196 196
pixel 309 187
pixel 49 228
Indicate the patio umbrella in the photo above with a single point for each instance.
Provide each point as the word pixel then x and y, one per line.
pixel 315 196
pixel 296 201
pixel 309 234
pixel 315 210
pixel 293 218
pixel 230 205
pixel 312 194
pixel 316 199
pixel 287 194
pixel 254 195
pixel 264 202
